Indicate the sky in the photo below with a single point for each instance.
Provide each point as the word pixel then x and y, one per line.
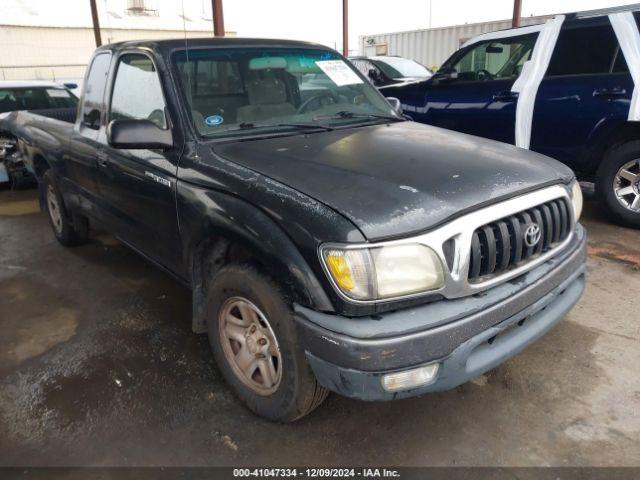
pixel 320 20
pixel 312 20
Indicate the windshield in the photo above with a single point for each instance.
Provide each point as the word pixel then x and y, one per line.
pixel 396 67
pixel 12 99
pixel 234 89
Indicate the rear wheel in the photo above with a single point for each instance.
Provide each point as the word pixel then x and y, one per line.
pixel 253 337
pixel 69 230
pixel 618 183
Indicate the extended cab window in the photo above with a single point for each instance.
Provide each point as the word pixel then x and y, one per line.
pixel 94 91
pixel 137 93
pixel 587 50
pixel 492 60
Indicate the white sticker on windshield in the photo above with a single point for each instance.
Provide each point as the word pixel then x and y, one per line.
pixel 339 72
pixel 57 93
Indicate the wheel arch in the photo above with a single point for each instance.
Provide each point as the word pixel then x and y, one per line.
pixel 215 236
pixel 40 164
pixel 606 138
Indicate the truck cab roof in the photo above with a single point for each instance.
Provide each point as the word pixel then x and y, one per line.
pixel 169 45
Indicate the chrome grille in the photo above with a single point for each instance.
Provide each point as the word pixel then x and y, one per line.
pixel 501 245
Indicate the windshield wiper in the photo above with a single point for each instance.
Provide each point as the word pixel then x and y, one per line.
pixel 349 114
pixel 309 126
pixel 305 126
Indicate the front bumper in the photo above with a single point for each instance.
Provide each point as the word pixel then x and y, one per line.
pixel 467 336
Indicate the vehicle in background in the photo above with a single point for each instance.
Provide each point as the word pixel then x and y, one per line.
pixel 35 95
pixel 571 98
pixel 329 243
pixel 26 95
pixel 386 71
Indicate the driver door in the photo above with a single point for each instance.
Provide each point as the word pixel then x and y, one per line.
pixel 138 186
pixel 472 92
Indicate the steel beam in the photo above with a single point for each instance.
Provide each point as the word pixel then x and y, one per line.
pixel 218 18
pixel 96 23
pixel 517 12
pixel 345 27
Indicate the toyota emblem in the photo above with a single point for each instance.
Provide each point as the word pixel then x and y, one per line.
pixel 532 235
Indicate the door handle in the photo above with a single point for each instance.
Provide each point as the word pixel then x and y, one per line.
pixel 103 159
pixel 610 92
pixel 506 96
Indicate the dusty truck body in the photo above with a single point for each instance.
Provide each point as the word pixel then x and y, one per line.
pixel 329 243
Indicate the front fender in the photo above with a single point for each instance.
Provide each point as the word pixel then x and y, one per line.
pixel 211 220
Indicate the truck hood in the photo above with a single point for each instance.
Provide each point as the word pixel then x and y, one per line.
pixel 391 180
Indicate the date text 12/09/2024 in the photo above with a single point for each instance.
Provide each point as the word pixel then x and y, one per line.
pixel 315 473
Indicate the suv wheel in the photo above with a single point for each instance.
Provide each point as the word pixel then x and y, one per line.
pixel 618 183
pixel 68 230
pixel 253 337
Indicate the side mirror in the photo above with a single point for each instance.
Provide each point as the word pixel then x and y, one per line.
pixel 395 103
pixel 71 85
pixel 138 135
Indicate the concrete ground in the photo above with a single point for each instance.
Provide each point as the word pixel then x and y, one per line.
pixel 98 366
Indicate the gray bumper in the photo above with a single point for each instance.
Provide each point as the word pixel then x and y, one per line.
pixel 466 336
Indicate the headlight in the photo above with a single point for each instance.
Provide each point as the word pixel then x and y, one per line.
pixel 576 199
pixel 383 272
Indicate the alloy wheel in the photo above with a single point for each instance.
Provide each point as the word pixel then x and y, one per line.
pixel 626 185
pixel 250 345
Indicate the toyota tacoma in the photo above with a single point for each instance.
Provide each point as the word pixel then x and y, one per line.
pixel 329 243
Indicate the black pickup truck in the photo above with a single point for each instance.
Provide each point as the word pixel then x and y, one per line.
pixel 329 243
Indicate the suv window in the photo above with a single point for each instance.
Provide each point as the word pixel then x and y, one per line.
pixel 137 93
pixel 493 59
pixel 94 91
pixel 587 50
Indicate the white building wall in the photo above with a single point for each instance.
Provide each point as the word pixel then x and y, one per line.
pixel 432 47
pixel 53 53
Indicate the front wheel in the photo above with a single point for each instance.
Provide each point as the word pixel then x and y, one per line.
pixel 69 230
pixel 253 337
pixel 618 183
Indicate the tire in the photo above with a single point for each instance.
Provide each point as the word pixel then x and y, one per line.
pixel 293 391
pixel 612 181
pixel 69 230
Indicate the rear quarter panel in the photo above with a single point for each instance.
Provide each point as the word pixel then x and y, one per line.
pixel 39 138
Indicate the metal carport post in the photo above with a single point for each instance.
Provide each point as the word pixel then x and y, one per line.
pixel 517 10
pixel 218 18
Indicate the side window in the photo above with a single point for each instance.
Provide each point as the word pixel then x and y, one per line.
pixel 137 94
pixel 362 65
pixel 94 91
pixel 586 50
pixel 369 70
pixel 494 59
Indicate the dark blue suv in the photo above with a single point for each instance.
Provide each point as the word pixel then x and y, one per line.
pixel 564 89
